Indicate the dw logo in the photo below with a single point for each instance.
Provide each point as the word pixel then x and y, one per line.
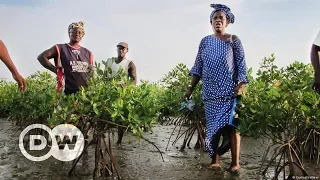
pixel 63 151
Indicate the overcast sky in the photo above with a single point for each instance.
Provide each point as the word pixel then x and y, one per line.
pixel 160 34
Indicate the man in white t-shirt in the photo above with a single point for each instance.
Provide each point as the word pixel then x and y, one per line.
pixel 315 60
pixel 121 62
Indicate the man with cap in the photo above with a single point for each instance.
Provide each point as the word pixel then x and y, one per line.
pixel 315 60
pixel 121 62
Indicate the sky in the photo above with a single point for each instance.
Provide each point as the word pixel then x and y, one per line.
pixel 160 34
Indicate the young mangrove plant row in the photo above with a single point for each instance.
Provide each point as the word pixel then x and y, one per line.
pixel 278 104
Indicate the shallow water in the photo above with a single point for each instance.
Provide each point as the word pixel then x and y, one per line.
pixel 138 160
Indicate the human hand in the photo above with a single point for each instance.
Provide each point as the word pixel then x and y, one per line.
pixel 239 89
pixel 22 85
pixel 188 93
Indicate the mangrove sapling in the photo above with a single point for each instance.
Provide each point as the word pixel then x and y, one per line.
pixel 191 118
pixel 309 141
pixel 287 155
pixel 105 163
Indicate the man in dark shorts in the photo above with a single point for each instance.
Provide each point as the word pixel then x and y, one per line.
pixel 6 59
pixel 315 60
pixel 73 63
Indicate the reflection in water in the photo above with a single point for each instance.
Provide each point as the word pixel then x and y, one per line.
pixel 137 159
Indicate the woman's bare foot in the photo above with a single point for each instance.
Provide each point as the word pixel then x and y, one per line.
pixel 215 163
pixel 214 166
pixel 234 169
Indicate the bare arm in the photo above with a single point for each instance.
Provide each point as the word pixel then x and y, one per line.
pixel 194 81
pixel 6 59
pixel 315 59
pixel 44 57
pixel 132 72
pixel 91 64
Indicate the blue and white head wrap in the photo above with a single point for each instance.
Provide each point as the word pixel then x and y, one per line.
pixel 225 9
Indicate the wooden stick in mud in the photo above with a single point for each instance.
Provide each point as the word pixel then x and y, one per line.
pixel 200 130
pixel 284 165
pixel 110 149
pixel 272 160
pixel 75 162
pixel 182 119
pixel 184 132
pixel 112 123
pixel 154 146
pixel 112 159
pixel 104 159
pixel 96 172
pixel 291 166
pixel 188 133
pixel 190 138
pixel 287 151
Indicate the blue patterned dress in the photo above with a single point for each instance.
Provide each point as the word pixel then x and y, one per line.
pixel 221 65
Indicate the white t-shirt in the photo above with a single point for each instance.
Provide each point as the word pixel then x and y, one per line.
pixel 317 40
pixel 115 68
pixel 124 64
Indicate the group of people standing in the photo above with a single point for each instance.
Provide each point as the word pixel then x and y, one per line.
pixel 220 64
pixel 73 63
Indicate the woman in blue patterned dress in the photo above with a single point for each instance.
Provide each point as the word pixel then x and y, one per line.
pixel 220 64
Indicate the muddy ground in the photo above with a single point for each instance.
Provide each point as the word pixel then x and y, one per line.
pixel 138 160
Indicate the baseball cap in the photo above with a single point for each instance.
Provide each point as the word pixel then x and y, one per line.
pixel 123 44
